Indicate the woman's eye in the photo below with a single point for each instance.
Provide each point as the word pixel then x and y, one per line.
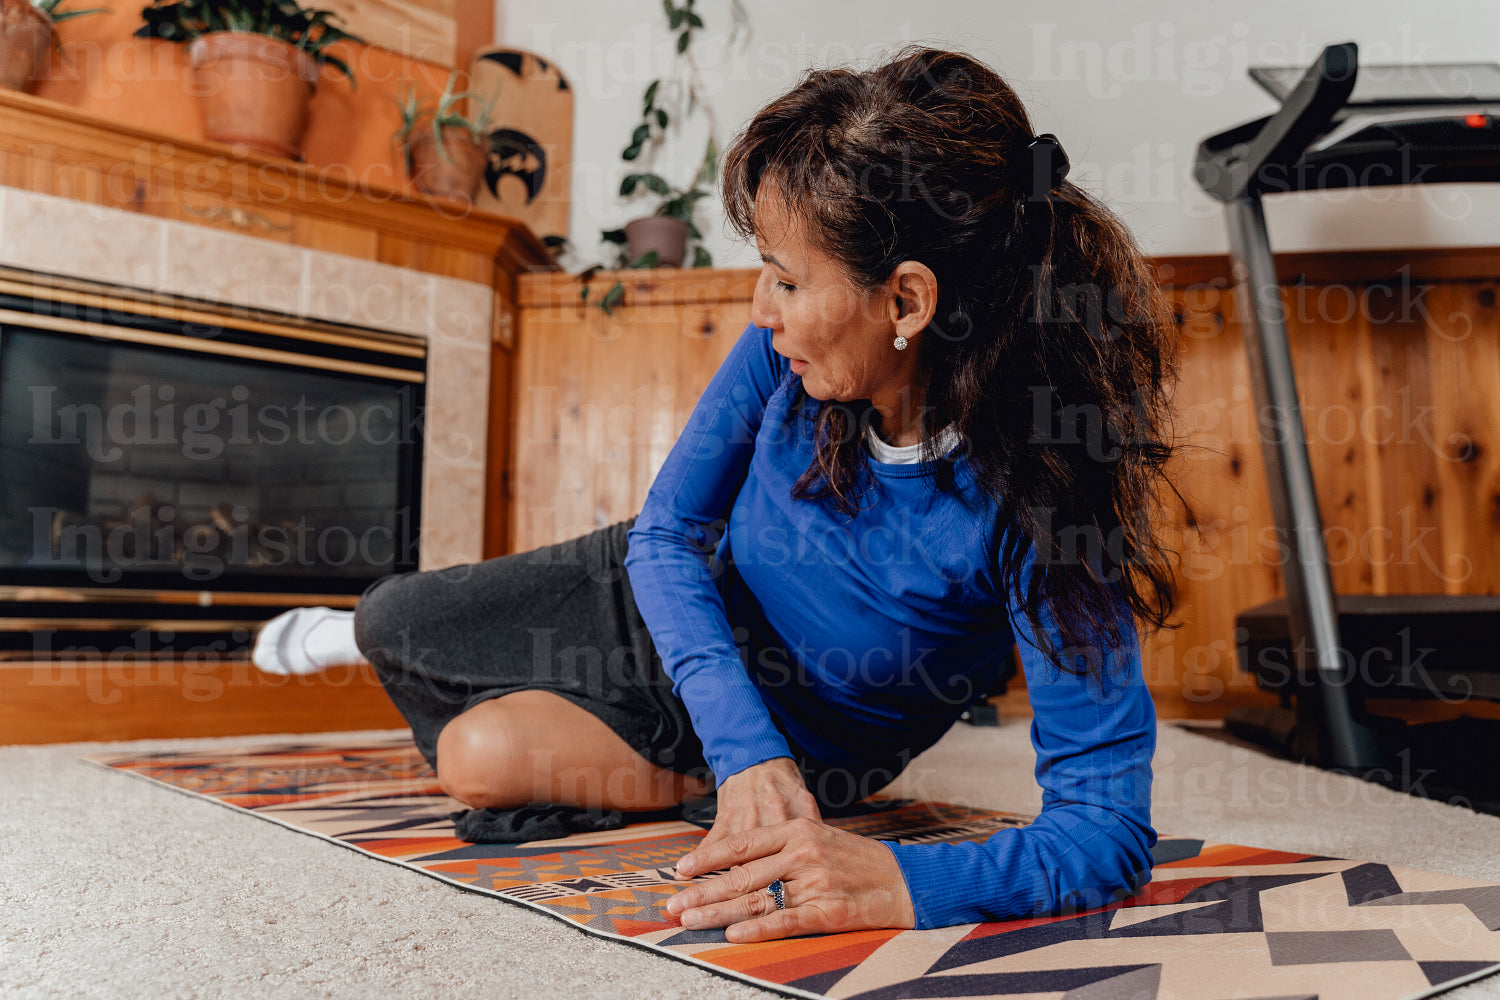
pixel 785 287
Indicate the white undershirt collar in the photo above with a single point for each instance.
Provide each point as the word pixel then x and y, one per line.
pixel 947 440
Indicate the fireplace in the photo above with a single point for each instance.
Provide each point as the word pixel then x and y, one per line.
pixel 172 476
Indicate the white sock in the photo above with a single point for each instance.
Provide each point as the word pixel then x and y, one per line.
pixel 306 641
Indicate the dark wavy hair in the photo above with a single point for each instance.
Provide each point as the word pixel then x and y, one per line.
pixel 1052 349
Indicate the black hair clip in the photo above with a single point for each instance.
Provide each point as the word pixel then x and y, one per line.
pixel 1048 165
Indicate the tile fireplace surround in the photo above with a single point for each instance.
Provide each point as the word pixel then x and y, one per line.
pixel 127 250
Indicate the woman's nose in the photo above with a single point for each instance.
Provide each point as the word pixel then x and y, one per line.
pixel 762 312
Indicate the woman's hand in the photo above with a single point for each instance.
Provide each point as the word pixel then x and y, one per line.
pixel 763 794
pixel 832 881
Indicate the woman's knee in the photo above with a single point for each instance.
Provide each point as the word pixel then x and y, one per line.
pixel 479 761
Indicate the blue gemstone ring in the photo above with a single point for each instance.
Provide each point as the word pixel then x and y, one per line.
pixel 777 891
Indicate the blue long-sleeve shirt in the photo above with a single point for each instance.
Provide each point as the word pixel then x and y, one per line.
pixel 867 637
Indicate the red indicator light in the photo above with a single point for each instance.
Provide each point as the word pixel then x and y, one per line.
pixel 1477 121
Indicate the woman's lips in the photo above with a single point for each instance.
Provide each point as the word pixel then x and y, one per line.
pixel 798 367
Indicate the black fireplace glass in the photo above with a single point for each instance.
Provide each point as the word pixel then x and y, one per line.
pixel 131 464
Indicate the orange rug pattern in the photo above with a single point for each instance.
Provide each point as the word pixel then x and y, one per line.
pixel 1216 921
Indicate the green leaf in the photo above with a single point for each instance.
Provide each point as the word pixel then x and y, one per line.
pixel 311 30
pixel 338 64
pixel 682 43
pixel 640 135
pixel 681 206
pixel 646 260
pixel 650 96
pixel 613 235
pixel 661 118
pixel 630 152
pixel 60 16
pixel 701 258
pixel 710 163
pixel 627 186
pixel 694 20
pixel 656 184
pixel 612 298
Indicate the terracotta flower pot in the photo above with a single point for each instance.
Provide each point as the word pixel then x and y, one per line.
pixel 253 90
pixel 25 40
pixel 458 175
pixel 662 233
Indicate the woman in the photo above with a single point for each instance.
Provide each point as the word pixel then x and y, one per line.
pixel 939 437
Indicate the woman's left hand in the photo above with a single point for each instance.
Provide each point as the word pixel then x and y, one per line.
pixel 833 880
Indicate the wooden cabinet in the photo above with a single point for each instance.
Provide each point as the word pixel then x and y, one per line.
pixel 600 398
pixel 1398 362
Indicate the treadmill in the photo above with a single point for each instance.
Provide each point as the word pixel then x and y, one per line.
pixel 1341 126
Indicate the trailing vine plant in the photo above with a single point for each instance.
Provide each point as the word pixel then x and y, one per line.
pixel 665 103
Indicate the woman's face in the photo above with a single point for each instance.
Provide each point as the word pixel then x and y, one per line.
pixel 838 337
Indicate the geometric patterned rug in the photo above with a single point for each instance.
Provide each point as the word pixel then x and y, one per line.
pixel 1216 921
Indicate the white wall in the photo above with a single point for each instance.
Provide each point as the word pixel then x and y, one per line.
pixel 1129 87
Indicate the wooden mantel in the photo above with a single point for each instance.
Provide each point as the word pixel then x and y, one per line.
pixel 56 149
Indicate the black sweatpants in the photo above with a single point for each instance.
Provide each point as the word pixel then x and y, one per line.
pixel 559 618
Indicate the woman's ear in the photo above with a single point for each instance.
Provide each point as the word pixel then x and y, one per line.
pixel 914 290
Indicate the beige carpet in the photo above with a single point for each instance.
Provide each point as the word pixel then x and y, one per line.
pixel 110 886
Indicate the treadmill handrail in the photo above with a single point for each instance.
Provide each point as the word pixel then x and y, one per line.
pixel 1238 168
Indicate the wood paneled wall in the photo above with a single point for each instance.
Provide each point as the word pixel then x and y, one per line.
pixel 600 400
pixel 1398 362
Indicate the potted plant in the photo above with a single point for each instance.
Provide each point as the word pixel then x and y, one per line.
pixel 447 159
pixel 668 229
pixel 662 237
pixel 658 240
pixel 25 34
pixel 255 65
